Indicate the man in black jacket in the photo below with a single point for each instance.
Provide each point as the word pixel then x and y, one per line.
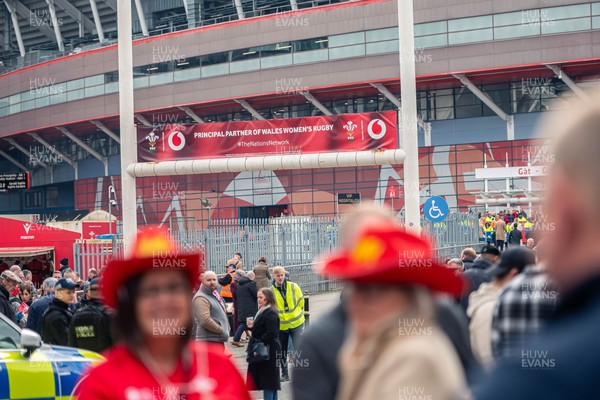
pixel 39 307
pixel 468 257
pixel 56 320
pixel 478 272
pixel 64 265
pixel 515 236
pixel 91 327
pixel 246 305
pixel 8 283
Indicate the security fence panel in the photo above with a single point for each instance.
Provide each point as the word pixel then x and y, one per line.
pixel 291 241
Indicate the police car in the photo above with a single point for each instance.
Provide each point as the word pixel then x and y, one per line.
pixel 30 369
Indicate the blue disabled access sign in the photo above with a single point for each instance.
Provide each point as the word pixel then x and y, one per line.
pixel 436 209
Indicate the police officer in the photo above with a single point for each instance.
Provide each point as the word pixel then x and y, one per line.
pixel 91 327
pixel 56 320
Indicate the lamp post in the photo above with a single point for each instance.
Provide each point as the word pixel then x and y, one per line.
pixel 111 202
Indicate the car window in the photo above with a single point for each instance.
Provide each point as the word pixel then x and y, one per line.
pixel 9 336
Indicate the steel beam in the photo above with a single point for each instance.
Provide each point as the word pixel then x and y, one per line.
pixel 10 6
pixel 97 21
pixel 26 13
pixel 86 147
pixel 143 120
pixel 317 103
pixel 55 25
pixel 58 153
pixel 487 100
pixel 12 160
pixel 141 17
pixel 560 74
pixel 426 126
pixel 23 150
pixel 112 4
pixel 75 14
pixel 192 114
pixel 104 129
pixel 240 9
pixel 249 108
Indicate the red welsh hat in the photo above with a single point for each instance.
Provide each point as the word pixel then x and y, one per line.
pixel 153 250
pixel 390 255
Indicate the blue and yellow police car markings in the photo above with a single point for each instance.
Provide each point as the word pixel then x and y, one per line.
pixel 4 389
pixel 50 373
pixel 28 378
pixel 69 364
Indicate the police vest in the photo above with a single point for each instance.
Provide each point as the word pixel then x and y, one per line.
pixel 290 309
pixel 226 290
pixel 91 329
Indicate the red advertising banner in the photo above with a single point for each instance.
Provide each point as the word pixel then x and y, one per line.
pixel 89 230
pixel 348 132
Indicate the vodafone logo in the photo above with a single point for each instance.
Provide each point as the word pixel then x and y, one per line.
pixel 176 140
pixel 376 129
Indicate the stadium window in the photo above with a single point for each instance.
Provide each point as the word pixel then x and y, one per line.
pixel 110 77
pixel 378 35
pixel 466 104
pixel 33 199
pixel 311 44
pixel 245 54
pixel 187 63
pixel 214 59
pixel 443 104
pixel 346 39
pixel 51 197
pixel 275 49
pixel 431 28
pixel 564 12
pixel 470 24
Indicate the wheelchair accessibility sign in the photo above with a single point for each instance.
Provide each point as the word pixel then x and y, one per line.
pixel 436 209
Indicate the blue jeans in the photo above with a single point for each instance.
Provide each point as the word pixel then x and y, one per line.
pixel 238 334
pixel 270 394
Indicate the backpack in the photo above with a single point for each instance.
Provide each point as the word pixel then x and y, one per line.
pixel 92 328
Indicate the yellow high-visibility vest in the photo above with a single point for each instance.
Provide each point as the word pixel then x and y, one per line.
pixel 294 316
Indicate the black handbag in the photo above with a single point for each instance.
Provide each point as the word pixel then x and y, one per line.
pixel 257 352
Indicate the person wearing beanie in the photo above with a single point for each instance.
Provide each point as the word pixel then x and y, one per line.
pixel 64 265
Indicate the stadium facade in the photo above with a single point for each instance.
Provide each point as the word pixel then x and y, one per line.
pixel 486 73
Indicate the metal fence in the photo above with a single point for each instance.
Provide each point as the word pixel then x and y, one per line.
pixel 94 254
pixel 292 241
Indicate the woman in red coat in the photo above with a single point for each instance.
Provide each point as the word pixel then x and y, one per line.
pixel 151 292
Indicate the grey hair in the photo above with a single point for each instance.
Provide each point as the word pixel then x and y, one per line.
pixel 49 283
pixel 456 261
pixel 251 274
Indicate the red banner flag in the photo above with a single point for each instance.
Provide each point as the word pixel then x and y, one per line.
pixel 348 132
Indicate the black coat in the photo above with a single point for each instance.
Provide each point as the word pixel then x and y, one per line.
pixel 515 236
pixel 265 374
pixel 475 276
pixel 5 306
pixel 320 346
pixel 246 299
pixel 55 324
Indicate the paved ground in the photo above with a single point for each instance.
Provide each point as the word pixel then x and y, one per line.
pixel 319 304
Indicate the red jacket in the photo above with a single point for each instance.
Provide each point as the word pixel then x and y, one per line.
pixel 124 377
